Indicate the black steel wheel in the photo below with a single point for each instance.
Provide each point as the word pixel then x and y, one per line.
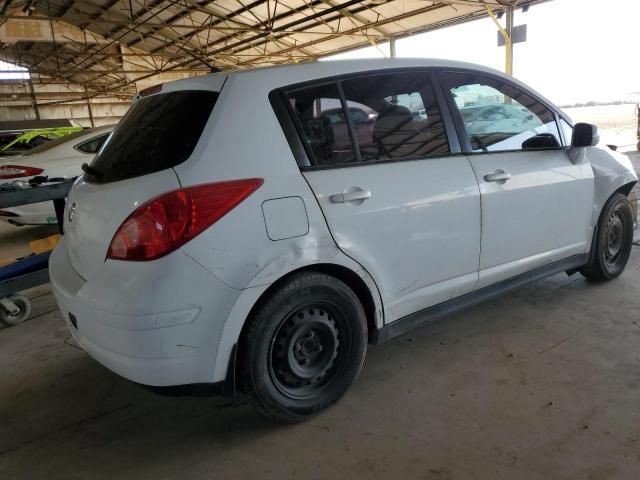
pixel 304 346
pixel 612 247
pixel 306 353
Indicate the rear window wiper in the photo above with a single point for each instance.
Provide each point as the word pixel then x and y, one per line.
pixel 86 168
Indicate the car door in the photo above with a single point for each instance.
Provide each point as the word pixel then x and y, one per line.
pixel 536 204
pixel 396 196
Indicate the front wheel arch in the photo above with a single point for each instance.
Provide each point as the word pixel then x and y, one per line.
pixel 597 268
pixel 624 189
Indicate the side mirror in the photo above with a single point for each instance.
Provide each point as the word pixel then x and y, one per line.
pixel 585 135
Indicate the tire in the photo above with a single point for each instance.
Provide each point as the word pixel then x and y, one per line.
pixel 614 238
pixel 303 347
pixel 14 319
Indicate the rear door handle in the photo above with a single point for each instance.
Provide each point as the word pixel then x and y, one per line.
pixel 350 196
pixel 497 176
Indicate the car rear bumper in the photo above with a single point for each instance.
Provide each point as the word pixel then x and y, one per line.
pixel 156 323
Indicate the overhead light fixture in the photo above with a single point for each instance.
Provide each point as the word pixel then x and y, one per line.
pixel 525 9
pixel 499 15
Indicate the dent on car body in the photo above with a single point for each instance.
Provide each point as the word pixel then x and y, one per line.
pixel 611 170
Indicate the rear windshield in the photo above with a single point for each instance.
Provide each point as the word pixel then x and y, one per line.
pixel 157 133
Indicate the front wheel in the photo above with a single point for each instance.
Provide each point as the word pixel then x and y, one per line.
pixel 304 346
pixel 612 245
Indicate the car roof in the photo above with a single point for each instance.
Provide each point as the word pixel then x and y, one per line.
pixel 328 68
pixel 273 76
pixel 269 78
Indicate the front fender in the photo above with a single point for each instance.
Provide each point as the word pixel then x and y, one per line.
pixel 611 171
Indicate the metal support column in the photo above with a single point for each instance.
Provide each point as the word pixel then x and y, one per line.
pixel 509 13
pixel 638 132
pixel 34 100
pixel 392 47
pixel 89 108
pixel 507 34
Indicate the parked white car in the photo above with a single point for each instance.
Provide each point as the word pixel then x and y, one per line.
pixel 61 158
pixel 263 250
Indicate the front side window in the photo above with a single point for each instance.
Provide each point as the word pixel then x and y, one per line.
pixel 567 132
pixel 387 117
pixel 499 116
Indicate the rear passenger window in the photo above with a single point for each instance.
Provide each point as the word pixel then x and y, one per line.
pixel 387 117
pixel 323 123
pixel 395 116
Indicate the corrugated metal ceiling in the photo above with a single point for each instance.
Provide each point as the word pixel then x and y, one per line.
pixel 112 44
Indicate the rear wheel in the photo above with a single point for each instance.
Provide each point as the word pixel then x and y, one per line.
pixel 304 346
pixel 613 241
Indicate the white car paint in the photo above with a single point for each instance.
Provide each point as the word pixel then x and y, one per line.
pixel 431 231
pixel 517 215
pixel 59 158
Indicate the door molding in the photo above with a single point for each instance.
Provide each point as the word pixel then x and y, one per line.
pixel 435 312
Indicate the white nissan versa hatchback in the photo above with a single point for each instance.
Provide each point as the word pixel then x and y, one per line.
pixel 258 228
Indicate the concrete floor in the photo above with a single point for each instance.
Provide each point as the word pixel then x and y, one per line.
pixel 541 384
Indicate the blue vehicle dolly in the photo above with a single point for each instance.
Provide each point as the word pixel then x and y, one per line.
pixel 33 270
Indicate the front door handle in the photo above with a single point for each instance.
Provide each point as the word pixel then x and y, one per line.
pixel 350 195
pixel 497 176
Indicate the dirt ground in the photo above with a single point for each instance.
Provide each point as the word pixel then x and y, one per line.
pixel 617 123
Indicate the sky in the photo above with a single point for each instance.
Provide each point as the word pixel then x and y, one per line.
pixel 5 75
pixel 576 50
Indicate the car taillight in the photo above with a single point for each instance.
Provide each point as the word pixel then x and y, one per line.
pixel 167 222
pixel 18 171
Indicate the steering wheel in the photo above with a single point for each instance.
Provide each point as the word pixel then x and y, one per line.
pixel 497 116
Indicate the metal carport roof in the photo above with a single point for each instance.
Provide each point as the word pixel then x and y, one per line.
pixel 111 45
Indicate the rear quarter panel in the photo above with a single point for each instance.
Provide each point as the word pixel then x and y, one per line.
pixel 243 139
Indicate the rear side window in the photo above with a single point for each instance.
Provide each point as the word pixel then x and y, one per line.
pixel 93 145
pixel 157 133
pixel 385 117
pixel 395 116
pixel 323 123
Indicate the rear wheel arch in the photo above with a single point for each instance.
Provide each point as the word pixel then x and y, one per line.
pixel 303 346
pixel 340 272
